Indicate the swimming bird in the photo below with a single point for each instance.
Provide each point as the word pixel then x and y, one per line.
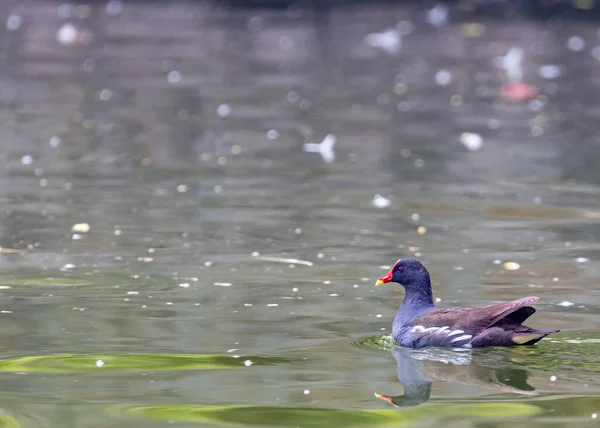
pixel 419 323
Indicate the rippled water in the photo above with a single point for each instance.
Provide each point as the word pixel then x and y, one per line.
pixel 226 278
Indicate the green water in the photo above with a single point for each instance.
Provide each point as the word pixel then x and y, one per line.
pixel 170 256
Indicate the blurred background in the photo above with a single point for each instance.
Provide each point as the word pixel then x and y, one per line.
pixel 198 196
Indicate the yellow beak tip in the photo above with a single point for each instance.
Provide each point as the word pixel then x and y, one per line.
pixel 379 282
pixel 378 395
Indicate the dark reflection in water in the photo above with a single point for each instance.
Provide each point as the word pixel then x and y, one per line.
pixel 418 369
pixel 157 199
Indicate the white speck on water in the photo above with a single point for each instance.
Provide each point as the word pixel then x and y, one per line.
pixel 380 201
pixel 471 140
pixel 594 415
pixel 415 217
pixel 333 295
pixel 223 284
pixel 555 279
pixel 298 231
pixel 248 363
pixel 114 7
pixel 255 254
pixel 67 34
pixel 389 40
pixel 105 94
pixel 582 260
pixel 306 391
pixel 379 315
pixel 405 27
pixel 69 266
pixel 13 22
pixel 438 299
pixel 65 10
pixel 272 305
pixel 133 293
pixel 567 244
pixel 295 289
pixel 575 43
pixel 185 285
pixel 272 134
pixel 99 363
pixel 497 261
pixel 224 110
pixel 286 43
pixel 54 142
pixel 118 232
pixel 324 148
pixel 27 160
pixel 493 123
pixel 169 303
pixel 293 97
pixel 8 312
pixel 174 76
pixel 553 378
pixel 437 16
pixel 537 200
pixel 535 105
pixel 320 255
pixel 327 282
pixel 254 23
pixel 229 351
pixel 207 264
pixel 511 63
pixel 566 303
pixel 443 77
pixel 596 53
pixel 549 71
pixel 511 265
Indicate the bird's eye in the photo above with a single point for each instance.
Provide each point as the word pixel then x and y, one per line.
pixel 400 269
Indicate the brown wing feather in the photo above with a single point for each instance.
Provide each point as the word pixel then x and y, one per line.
pixel 471 320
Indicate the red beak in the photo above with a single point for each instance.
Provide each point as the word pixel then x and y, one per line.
pixel 385 278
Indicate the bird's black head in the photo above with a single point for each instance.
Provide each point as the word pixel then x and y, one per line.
pixel 408 272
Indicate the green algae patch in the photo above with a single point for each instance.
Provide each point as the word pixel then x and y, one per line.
pixel 101 363
pixel 326 417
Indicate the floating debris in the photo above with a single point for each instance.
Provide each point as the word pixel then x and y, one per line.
pixel 224 110
pixel 185 285
pixel 248 363
pixel 272 305
pixel 443 77
pixel 306 391
pixel 511 63
pixel 437 16
pixel 27 160
pixel 223 284
pixel 380 201
pixel 421 230
pixel 471 140
pixel 549 71
pixel 511 266
pixel 582 260
pixel 553 378
pixel 285 260
pixel 389 40
pixel 13 22
pixel 81 228
pixel 517 91
pixel 324 148
pixel 575 44
pixel 99 363
pixel 566 304
pixel 67 34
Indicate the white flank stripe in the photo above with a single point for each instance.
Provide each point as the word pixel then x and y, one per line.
pixel 455 332
pixel 463 337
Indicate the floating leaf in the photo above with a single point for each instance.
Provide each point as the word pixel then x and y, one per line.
pixel 80 363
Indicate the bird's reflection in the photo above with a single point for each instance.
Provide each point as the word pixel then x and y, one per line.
pixel 417 369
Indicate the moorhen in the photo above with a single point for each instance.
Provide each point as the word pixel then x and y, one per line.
pixel 419 324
